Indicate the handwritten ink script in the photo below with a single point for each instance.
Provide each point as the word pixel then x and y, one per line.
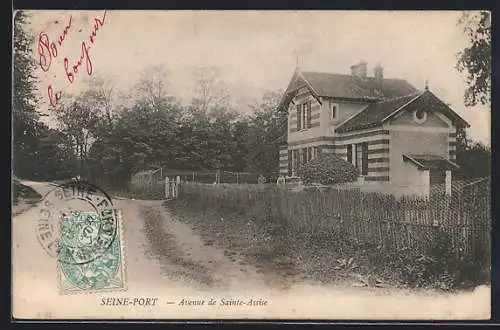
pixel 49 50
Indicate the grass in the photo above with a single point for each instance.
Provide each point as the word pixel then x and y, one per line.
pixel 292 259
pixel 280 233
pixel 23 197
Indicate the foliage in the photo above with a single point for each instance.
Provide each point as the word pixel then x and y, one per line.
pixel 474 161
pixel 25 125
pixel 38 151
pixel 327 169
pixel 476 58
pixel 20 191
pixel 210 92
pixel 266 131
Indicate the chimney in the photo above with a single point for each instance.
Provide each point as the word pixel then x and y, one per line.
pixel 378 73
pixel 359 70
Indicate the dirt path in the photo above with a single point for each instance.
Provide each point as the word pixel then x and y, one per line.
pixel 187 258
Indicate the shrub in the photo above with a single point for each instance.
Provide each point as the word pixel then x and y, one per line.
pixel 19 191
pixel 327 169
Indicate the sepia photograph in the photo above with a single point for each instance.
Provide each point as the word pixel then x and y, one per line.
pixel 251 165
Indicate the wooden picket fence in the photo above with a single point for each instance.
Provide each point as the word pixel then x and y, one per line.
pixel 409 222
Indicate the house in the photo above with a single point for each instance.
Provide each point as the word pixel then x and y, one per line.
pixel 397 136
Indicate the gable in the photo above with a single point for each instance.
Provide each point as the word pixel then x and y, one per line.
pixel 302 95
pixel 378 113
pixel 374 114
pixel 407 118
pixel 432 104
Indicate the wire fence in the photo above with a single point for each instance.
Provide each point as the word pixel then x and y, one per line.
pixel 220 176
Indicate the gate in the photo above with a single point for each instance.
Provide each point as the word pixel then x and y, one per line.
pixel 172 187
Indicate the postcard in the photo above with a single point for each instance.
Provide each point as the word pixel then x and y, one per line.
pixel 294 165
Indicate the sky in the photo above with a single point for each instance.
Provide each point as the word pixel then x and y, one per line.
pixel 257 51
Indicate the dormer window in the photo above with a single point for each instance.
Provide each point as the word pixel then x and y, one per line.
pixel 334 109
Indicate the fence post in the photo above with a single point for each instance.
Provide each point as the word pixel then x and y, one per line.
pixel 177 184
pixel 166 187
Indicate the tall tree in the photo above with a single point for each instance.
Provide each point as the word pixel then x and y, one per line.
pixel 26 127
pixel 210 91
pixel 475 59
pixel 267 130
pixel 78 120
pixel 152 88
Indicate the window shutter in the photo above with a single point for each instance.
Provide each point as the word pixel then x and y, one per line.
pixel 289 162
pixel 349 153
pixel 364 166
pixel 299 117
pixel 309 114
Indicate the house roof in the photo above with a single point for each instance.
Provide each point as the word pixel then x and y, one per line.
pixel 353 87
pixel 374 114
pixel 333 85
pixel 384 101
pixel 377 113
pixel 430 162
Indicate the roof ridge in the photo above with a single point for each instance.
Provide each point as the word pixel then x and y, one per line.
pixel 400 97
pixel 349 75
pixel 414 96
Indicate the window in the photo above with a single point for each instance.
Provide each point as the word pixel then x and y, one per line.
pixel 290 163
pixel 309 117
pixel 304 116
pixel 359 155
pixel 309 154
pixel 420 116
pixel 295 160
pixel 361 160
pixel 298 118
pixel 304 155
pixel 334 108
pixel 349 153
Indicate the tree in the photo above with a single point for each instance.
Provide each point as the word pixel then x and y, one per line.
pixel 26 128
pixel 474 161
pixel 78 120
pixel 267 129
pixel 210 91
pixel 151 89
pixel 475 59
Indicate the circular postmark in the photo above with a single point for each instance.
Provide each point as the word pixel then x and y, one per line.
pixel 77 222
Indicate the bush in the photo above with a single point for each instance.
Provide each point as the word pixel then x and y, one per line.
pixel 327 169
pixel 21 191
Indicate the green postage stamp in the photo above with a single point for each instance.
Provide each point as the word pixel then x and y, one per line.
pixel 86 238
